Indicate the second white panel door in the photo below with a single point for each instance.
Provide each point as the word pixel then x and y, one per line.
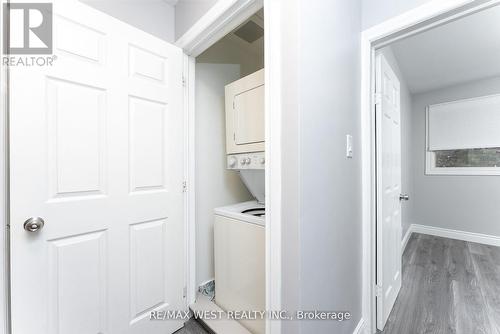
pixel 388 131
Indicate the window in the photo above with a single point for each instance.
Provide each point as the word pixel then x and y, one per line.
pixel 463 137
pixel 477 157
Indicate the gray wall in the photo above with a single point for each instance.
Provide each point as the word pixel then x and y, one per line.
pixel 215 185
pixel 467 203
pixel 154 16
pixel 377 11
pixel 328 235
pixel 187 12
pixel 406 135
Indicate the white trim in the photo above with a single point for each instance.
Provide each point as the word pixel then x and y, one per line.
pixel 218 21
pixel 190 172
pixel 479 238
pixel 409 22
pixel 360 328
pixel 273 80
pixel 4 196
pixel 431 169
pixel 406 238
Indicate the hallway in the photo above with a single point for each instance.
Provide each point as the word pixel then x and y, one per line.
pixel 449 286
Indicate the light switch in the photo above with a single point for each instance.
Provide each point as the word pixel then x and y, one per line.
pixel 348 148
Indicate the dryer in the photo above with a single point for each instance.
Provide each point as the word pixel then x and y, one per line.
pixel 245 114
pixel 245 135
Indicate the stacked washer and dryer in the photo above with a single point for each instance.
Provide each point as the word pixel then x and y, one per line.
pixel 239 231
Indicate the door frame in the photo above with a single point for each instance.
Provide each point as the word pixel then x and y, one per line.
pixel 221 19
pixel 429 15
pixel 4 195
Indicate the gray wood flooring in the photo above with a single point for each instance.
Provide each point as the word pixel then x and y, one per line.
pixel 449 286
pixel 192 327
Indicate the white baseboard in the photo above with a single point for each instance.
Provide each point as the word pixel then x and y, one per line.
pixel 455 234
pixel 407 236
pixel 360 328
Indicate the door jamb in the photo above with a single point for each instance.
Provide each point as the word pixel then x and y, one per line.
pixel 222 18
pixel 188 81
pixel 427 16
pixel 4 196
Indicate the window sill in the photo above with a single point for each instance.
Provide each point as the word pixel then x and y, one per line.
pixel 463 171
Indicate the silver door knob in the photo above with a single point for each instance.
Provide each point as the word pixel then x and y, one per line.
pixel 404 197
pixel 33 224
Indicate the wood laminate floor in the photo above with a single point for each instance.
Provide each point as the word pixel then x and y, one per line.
pixel 449 286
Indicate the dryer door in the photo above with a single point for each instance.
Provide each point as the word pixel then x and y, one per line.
pixel 249 116
pixel 245 114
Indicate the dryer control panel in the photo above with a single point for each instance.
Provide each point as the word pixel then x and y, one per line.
pixel 255 160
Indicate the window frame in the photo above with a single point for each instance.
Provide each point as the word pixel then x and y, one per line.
pixel 430 161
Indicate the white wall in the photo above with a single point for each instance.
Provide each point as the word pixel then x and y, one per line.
pixel 328 239
pixel 152 16
pixel 377 11
pixel 467 203
pixel 406 135
pixel 187 12
pixel 215 186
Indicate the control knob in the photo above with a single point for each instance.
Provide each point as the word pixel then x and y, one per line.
pixel 232 161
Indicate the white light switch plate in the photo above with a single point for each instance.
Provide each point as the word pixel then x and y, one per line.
pixel 348 148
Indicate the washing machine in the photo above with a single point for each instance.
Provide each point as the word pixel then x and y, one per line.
pixel 239 245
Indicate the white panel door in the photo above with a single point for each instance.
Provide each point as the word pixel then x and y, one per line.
pixel 96 151
pixel 388 189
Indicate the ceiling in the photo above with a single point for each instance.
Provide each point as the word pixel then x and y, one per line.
pixel 461 51
pixel 254 48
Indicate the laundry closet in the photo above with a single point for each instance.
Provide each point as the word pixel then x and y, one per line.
pixel 230 182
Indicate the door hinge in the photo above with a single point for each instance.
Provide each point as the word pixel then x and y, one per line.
pixel 234 104
pixel 184 292
pixel 377 98
pixel 184 186
pixel 378 291
pixel 183 81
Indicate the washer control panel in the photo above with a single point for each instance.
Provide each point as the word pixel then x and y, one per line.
pixel 254 160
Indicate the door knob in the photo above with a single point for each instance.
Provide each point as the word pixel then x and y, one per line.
pixel 33 224
pixel 404 197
